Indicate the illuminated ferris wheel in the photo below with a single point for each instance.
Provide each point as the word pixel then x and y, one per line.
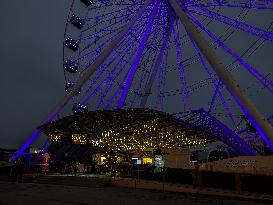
pixel 177 56
pixel 156 62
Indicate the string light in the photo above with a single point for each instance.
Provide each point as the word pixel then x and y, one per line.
pixel 79 139
pixel 55 137
pixel 127 130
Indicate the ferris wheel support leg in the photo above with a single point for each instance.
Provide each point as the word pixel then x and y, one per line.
pixel 255 117
pixel 93 68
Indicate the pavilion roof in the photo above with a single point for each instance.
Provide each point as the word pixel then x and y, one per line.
pixel 135 128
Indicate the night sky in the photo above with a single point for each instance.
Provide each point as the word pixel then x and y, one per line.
pixel 31 73
pixel 31 65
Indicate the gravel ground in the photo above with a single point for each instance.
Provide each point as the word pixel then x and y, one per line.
pixel 39 194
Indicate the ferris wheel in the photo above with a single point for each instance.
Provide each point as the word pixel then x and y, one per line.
pixel 157 63
pixel 171 55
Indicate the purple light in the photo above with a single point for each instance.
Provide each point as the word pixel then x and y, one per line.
pixel 103 67
pixel 181 69
pixel 213 81
pixel 94 92
pixel 252 120
pixel 138 56
pixel 161 84
pixel 102 17
pixel 93 36
pixel 255 124
pixel 117 91
pixel 144 71
pixel 101 71
pixel 157 65
pixel 109 75
pixel 94 52
pixel 33 136
pixel 236 24
pixel 263 80
pixel 225 4
pixel 117 74
pixel 22 149
pixel 214 95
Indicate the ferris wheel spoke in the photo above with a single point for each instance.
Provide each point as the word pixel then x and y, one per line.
pixel 259 90
pixel 116 94
pixel 150 82
pixel 95 52
pixel 119 3
pixel 138 55
pixel 101 37
pixel 120 89
pixel 125 47
pixel 108 30
pixel 194 58
pixel 161 85
pixel 240 4
pixel 99 48
pixel 121 65
pixel 105 82
pixel 105 8
pixel 139 71
pixel 162 77
pixel 214 95
pixel 216 85
pixel 259 77
pixel 94 42
pixel 124 43
pixel 181 68
pixel 147 62
pixel 94 92
pixel 104 67
pixel 118 21
pixel 114 14
pixel 250 50
pixel 235 23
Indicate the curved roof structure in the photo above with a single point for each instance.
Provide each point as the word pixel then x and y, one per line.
pixel 137 128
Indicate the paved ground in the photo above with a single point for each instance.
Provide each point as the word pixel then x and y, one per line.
pixel 39 194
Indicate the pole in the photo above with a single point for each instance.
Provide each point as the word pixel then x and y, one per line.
pixel 256 118
pixel 93 68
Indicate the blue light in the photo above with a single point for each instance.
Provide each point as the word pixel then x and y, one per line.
pixel 138 56
pixel 34 135
pixel 251 119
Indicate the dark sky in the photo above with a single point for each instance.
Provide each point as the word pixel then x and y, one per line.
pixel 31 64
pixel 31 74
